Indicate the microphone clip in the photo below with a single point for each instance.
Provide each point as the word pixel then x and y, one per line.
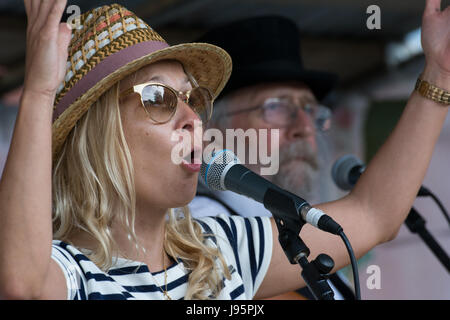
pixel 289 224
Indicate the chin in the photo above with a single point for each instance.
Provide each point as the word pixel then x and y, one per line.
pixel 184 198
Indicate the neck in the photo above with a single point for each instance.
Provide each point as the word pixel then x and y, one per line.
pixel 150 231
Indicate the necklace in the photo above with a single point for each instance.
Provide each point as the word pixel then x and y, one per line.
pixel 164 291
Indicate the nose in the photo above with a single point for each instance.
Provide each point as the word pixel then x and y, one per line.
pixel 302 128
pixel 188 118
pixel 189 122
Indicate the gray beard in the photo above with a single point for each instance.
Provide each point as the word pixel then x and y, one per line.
pixel 300 171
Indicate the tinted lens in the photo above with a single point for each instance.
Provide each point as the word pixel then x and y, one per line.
pixel 200 101
pixel 159 102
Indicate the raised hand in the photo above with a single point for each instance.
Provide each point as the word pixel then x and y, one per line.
pixel 436 40
pixel 46 49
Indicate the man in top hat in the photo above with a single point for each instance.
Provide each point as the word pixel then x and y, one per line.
pixel 270 89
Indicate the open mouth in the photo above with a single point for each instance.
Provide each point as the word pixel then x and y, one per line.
pixel 194 157
pixel 192 161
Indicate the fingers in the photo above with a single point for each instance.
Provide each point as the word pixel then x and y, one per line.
pixel 34 5
pixel 56 12
pixel 432 6
pixel 44 8
pixel 63 45
pixel 45 13
pixel 27 7
pixel 43 16
pixel 64 38
pixel 30 8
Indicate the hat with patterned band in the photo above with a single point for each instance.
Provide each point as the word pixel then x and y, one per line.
pixel 110 43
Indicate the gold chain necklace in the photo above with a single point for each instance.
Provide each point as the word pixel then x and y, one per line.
pixel 164 291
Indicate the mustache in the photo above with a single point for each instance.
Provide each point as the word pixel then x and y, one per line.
pixel 299 150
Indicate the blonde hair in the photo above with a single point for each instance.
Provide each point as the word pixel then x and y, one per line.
pixel 93 185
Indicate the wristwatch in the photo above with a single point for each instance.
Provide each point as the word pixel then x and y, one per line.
pixel 432 92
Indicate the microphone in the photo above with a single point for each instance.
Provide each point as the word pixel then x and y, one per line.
pixel 222 171
pixel 347 169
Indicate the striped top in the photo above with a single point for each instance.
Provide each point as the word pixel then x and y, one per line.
pixel 245 243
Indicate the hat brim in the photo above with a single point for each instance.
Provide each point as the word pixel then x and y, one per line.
pixel 208 64
pixel 321 83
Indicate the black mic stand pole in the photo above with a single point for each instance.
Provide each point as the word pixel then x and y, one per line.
pixel 416 224
pixel 289 224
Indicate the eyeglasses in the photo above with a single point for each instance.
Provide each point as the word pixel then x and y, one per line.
pixel 283 112
pixel 160 101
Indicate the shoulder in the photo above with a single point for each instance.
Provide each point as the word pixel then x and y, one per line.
pixel 75 266
pixel 85 280
pixel 235 231
pixel 246 245
pixel 225 220
pixel 234 222
pixel 70 253
pixel 66 252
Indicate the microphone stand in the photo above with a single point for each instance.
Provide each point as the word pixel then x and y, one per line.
pixel 287 218
pixel 416 224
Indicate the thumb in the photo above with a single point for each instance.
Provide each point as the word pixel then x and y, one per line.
pixel 64 37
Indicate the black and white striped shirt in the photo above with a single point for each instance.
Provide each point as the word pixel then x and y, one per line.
pixel 245 243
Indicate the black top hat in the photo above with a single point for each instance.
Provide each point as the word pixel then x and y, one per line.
pixel 266 49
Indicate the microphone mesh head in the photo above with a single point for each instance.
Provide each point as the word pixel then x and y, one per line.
pixel 341 170
pixel 214 167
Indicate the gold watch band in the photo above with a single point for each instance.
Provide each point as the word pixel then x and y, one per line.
pixel 432 92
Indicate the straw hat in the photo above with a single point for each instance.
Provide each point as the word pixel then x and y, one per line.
pixel 110 43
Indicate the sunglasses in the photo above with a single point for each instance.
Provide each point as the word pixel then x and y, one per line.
pixel 160 101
